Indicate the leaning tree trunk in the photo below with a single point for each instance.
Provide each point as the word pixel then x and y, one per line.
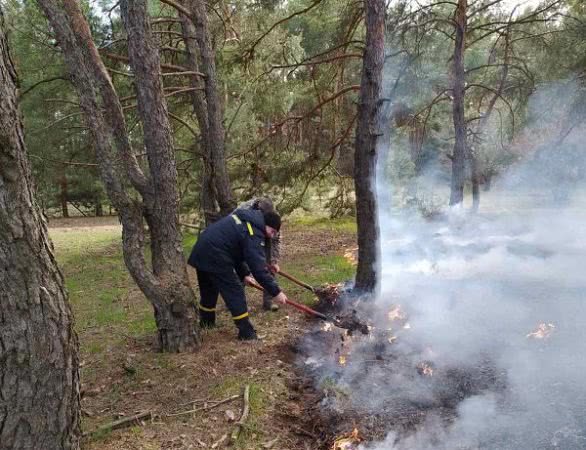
pixel 208 195
pixel 458 91
pixel 216 135
pixel 165 283
pixel 39 377
pixel 366 142
pixel 167 251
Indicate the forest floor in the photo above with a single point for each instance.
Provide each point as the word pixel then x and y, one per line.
pixel 123 375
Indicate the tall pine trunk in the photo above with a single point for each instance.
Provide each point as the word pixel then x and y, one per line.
pixel 39 377
pixel 165 282
pixel 458 93
pixel 216 170
pixel 208 197
pixel 366 141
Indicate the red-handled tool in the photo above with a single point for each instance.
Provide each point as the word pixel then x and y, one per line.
pixel 300 307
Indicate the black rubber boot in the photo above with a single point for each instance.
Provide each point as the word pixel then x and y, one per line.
pixel 268 305
pixel 207 319
pixel 246 331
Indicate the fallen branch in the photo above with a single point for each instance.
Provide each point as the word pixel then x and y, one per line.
pixel 204 408
pixel 303 432
pixel 245 410
pixel 121 423
pixel 195 227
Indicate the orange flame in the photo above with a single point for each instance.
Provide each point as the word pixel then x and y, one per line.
pixel 348 442
pixel 425 369
pixel 396 313
pixel 543 331
pixel 342 360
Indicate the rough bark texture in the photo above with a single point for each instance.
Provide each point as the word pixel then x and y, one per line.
pixel 216 134
pixel 367 133
pixel 208 191
pixel 63 197
pixel 166 285
pixel 458 86
pixel 39 378
pixel 174 310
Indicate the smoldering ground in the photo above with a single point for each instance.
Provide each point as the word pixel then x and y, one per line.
pixel 494 305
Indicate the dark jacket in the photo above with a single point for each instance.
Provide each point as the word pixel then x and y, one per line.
pixel 230 242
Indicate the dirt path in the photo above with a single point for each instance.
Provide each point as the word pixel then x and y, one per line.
pixel 131 378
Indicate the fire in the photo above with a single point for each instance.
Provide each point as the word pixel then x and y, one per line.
pixel 349 442
pixel 327 327
pixel 342 360
pixel 425 369
pixel 543 331
pixel 396 313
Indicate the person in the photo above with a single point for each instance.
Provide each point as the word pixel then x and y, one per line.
pixel 226 254
pixel 272 245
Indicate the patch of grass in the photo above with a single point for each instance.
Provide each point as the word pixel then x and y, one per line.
pixel 252 436
pixel 332 389
pixel 316 271
pixel 343 224
pixel 189 241
pixel 93 347
pixel 142 324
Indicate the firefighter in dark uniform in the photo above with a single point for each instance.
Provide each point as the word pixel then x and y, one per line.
pixel 272 245
pixel 226 254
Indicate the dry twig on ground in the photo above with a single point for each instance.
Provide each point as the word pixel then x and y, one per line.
pixel 244 416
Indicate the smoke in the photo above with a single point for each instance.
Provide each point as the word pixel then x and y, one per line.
pixel 502 293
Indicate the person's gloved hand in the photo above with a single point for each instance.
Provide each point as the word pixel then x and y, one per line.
pixel 250 281
pixel 281 298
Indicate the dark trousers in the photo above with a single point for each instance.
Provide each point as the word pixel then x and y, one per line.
pixel 226 284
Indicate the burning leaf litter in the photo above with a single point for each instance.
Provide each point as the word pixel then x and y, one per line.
pixel 543 331
pixel 349 442
pixel 396 313
pixel 425 368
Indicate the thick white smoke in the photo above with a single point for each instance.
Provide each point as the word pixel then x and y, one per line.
pixel 475 288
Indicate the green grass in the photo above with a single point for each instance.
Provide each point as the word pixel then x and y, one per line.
pixel 315 271
pixel 188 242
pixel 251 436
pixel 344 224
pixel 98 283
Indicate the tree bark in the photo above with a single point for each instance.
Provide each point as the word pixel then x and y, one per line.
pixel 216 137
pixel 208 197
pixel 39 377
pixel 458 92
pixel 367 133
pixel 166 285
pixel 174 312
pixel 99 208
pixel 63 195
